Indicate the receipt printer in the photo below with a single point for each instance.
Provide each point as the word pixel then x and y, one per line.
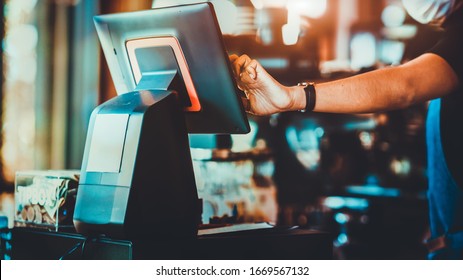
pixel 137 177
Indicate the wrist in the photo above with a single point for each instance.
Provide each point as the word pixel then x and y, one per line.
pixel 298 99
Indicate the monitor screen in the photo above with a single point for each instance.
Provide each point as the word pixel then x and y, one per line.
pixel 176 48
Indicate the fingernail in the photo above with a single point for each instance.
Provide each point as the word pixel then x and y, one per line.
pixel 251 75
pixel 241 74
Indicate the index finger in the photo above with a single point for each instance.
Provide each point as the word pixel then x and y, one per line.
pixel 240 63
pixel 233 57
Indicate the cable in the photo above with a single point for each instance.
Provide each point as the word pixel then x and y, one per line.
pixel 80 244
pixel 93 239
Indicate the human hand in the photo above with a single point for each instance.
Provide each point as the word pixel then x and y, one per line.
pixel 266 95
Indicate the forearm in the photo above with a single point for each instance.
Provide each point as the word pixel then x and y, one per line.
pixel 423 79
pixel 375 91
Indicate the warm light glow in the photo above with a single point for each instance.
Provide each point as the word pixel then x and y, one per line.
pixel 391 52
pixel 401 167
pixel 309 8
pixel 296 9
pixel 292 29
pixel 21 40
pixel 258 4
pixel 291 33
pixel 19 149
pixel 274 3
pixel 363 50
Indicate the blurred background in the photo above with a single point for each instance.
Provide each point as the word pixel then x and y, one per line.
pixel 360 177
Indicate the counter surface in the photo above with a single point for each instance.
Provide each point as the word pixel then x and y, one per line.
pixel 267 244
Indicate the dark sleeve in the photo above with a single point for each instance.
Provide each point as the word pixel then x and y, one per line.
pixel 450 48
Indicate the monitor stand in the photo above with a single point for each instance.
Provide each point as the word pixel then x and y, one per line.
pixel 137 177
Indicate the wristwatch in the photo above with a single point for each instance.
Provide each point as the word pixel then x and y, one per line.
pixel 310 95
